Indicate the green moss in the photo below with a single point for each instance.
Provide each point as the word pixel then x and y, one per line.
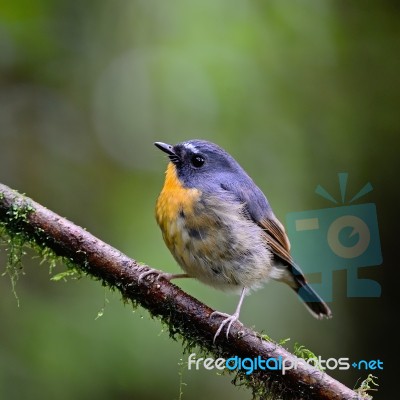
pixel 262 388
pixel 62 276
pixel 14 248
pixel 302 352
pixel 182 366
pixel 16 240
pixel 19 213
pixel 367 386
pixel 101 311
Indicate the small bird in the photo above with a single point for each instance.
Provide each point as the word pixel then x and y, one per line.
pixel 221 229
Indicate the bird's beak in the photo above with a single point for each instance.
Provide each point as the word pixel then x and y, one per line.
pixel 167 148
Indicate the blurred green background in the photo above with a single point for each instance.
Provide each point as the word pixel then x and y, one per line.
pixel 296 91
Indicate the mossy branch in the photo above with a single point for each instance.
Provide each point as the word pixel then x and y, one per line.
pixel 31 223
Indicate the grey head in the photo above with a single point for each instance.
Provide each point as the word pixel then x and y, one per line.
pixel 198 162
pixel 206 166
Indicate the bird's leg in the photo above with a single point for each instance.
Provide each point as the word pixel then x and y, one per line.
pixel 160 274
pixel 229 319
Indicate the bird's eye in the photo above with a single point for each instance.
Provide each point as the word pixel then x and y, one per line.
pixel 197 161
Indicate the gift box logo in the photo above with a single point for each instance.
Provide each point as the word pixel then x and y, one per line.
pixel 345 237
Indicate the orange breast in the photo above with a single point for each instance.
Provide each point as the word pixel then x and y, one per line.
pixel 174 202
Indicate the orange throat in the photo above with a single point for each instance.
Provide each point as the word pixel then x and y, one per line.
pixel 174 200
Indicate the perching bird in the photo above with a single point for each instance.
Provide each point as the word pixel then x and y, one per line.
pixel 221 229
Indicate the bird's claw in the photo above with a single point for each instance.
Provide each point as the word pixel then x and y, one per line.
pixel 229 320
pixel 147 272
pixel 152 271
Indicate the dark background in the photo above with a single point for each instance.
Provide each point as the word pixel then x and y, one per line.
pixel 295 91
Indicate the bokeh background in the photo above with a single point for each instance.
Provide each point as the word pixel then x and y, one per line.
pixel 297 91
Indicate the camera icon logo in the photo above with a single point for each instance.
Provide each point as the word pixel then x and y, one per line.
pixel 345 237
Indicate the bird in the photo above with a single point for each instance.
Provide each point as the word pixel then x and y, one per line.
pixel 221 229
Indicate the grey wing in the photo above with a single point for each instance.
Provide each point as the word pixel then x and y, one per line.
pixel 248 193
pixel 259 210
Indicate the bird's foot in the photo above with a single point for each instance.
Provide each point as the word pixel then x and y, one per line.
pixel 228 321
pixel 152 271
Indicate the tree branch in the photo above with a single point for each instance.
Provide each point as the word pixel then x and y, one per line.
pixel 183 314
